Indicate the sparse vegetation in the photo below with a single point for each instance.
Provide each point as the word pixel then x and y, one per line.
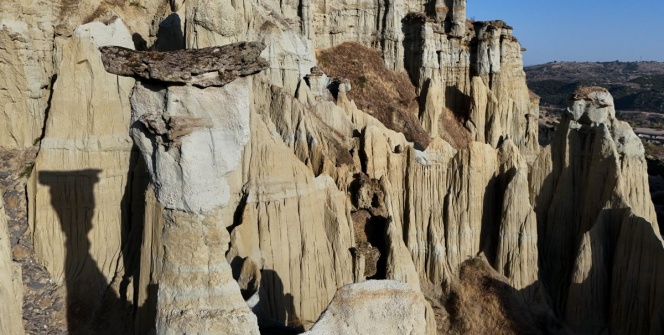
pixel 387 95
pixel 634 85
pixel 484 303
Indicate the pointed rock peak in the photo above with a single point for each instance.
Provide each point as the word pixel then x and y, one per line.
pixel 214 66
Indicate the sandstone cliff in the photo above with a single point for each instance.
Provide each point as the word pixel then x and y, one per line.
pixel 210 190
pixel 589 189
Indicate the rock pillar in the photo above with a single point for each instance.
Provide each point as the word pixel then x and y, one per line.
pixel 191 122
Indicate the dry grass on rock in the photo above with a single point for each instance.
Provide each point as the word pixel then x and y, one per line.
pixel 482 302
pixel 452 130
pixel 388 96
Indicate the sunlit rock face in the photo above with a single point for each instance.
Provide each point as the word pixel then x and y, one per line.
pixel 365 160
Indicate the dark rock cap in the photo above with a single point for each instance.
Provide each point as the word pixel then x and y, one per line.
pixel 214 66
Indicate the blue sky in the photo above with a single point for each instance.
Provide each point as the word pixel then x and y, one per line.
pixel 580 30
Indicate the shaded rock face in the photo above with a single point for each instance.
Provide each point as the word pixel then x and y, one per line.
pixel 589 188
pixel 205 195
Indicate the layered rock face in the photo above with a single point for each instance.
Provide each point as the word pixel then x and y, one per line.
pixel 211 191
pixel 196 290
pixel 590 194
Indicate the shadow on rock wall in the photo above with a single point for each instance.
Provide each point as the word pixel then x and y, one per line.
pixel 169 36
pixel 96 303
pixel 91 305
pixel 275 310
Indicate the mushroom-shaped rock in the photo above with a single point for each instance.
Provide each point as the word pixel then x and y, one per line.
pixel 190 120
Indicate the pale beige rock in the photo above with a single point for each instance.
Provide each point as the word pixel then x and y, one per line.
pixel 197 293
pixel 488 88
pixel 196 289
pixel 77 211
pixel 516 254
pixel 374 307
pixel 500 66
pixel 423 215
pixel 29 32
pixel 26 61
pixel 150 263
pixel 467 202
pixel 422 47
pixel 11 287
pixel 592 105
pixel 214 23
pixel 481 99
pixel 399 264
pixel 181 170
pixel 88 117
pixel 636 278
pixel 297 227
pixel 319 136
pixel 282 186
pixel 432 110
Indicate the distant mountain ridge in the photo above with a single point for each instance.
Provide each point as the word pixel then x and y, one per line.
pixel 634 85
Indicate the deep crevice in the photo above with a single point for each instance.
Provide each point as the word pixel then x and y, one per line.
pixel 47 112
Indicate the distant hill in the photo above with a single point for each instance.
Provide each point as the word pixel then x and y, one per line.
pixel 634 85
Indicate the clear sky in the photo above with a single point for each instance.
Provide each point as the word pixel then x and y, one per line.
pixel 580 30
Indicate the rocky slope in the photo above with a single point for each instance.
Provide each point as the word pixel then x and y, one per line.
pixel 215 191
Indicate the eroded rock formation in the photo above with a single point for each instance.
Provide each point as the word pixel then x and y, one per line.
pixel 276 185
pixel 590 191
pixel 196 292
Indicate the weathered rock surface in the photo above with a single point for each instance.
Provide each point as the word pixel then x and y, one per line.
pixel 79 218
pixel 374 307
pixel 26 53
pixel 589 188
pixel 196 291
pixel 288 183
pixel 215 66
pixel 272 228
